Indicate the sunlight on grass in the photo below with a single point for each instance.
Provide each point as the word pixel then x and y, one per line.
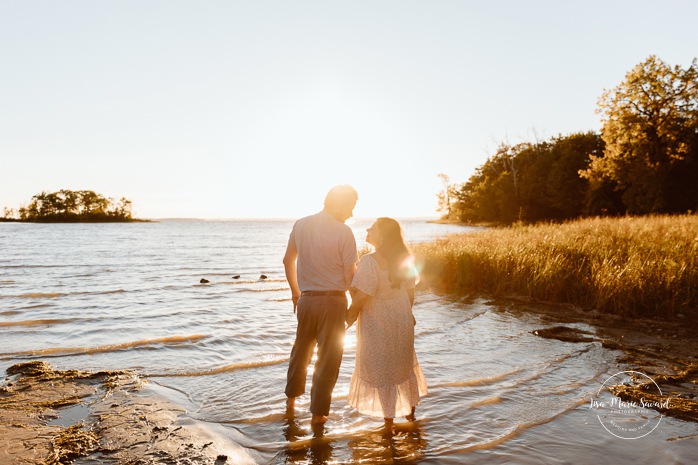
pixel 628 266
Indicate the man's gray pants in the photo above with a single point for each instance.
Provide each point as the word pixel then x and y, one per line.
pixel 320 321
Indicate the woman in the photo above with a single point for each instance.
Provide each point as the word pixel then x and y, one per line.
pixel 387 380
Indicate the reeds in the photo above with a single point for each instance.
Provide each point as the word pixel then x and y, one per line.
pixel 631 266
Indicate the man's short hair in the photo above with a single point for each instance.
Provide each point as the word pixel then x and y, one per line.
pixel 341 196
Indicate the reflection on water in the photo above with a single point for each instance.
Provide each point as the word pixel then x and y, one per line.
pixel 316 449
pixel 404 442
pixel 128 297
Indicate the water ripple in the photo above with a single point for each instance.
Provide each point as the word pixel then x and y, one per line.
pixel 65 351
pixel 219 370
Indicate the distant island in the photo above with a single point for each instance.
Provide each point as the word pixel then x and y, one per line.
pixel 66 206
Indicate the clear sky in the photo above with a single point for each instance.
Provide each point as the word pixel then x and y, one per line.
pixel 239 109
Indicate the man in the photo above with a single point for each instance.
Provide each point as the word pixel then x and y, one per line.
pixel 319 263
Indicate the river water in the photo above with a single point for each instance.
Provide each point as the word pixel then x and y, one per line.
pixel 128 296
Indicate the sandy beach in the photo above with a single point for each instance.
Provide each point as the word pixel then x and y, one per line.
pixel 50 416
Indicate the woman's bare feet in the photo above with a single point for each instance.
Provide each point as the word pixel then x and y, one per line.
pixel 387 431
pixel 318 420
pixel 411 416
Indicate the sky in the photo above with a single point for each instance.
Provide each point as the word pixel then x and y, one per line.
pixel 254 109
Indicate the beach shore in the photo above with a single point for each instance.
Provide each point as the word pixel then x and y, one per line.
pixel 50 416
pixel 666 351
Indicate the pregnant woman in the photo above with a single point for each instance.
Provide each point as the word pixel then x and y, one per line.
pixel 387 381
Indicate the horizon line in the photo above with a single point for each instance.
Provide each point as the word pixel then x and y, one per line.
pixel 274 218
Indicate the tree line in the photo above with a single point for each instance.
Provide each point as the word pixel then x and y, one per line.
pixel 72 206
pixel 645 160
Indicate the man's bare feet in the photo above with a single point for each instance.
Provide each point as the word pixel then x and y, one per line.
pixel 290 403
pixel 318 420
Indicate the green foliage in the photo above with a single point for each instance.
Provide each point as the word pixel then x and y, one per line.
pixel 565 190
pixel 644 161
pixel 530 182
pixel 650 126
pixel 75 206
pixel 627 266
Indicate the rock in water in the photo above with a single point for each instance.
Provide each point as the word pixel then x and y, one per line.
pixel 204 281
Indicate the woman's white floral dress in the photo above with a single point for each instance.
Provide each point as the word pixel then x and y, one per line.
pixel 387 380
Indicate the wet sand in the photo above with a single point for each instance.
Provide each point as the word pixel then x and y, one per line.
pixel 49 416
pixel 52 417
pixel 666 351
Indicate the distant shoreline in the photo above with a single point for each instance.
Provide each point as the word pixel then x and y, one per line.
pixel 81 221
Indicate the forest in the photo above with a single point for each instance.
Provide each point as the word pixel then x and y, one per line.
pixel 644 160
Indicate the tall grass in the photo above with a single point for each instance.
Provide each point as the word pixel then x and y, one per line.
pixel 632 266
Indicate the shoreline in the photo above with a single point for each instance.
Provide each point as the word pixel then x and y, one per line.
pixel 86 221
pixel 49 415
pixel 665 350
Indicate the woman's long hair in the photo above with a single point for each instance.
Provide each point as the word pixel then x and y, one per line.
pixel 394 250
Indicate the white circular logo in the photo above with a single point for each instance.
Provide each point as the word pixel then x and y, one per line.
pixel 631 419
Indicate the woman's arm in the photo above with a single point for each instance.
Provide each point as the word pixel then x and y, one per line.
pixel 410 294
pixel 358 300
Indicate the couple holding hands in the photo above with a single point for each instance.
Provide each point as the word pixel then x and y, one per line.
pixel 321 265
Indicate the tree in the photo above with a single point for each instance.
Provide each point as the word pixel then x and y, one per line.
pixel 565 190
pixel 491 194
pixel 533 182
pixel 68 206
pixel 650 127
pixel 446 196
pixel 123 209
pixel 9 214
